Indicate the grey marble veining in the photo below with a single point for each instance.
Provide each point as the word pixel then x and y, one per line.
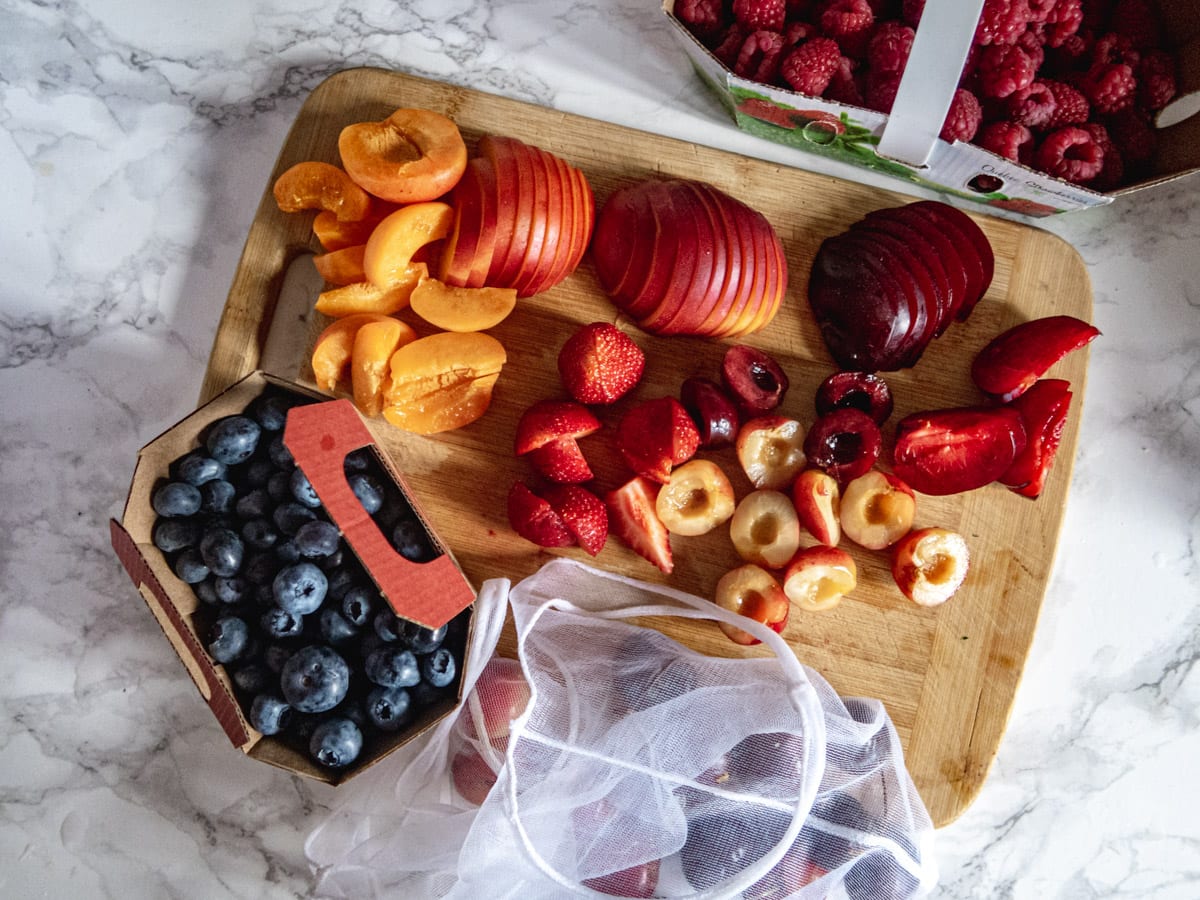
pixel 135 139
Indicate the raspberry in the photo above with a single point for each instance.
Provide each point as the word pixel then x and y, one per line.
pixel 1139 21
pixel 1032 106
pixel 760 15
pixel 1039 10
pixel 880 92
pixel 1113 173
pixel 1002 21
pixel 1109 87
pixel 1003 69
pixel 1156 79
pixel 1007 139
pixel 843 86
pixel 1070 153
pixel 758 58
pixel 1070 106
pixel 1062 22
pixel 730 45
pixel 809 68
pixel 849 22
pixel 889 47
pixel 797 32
pixel 1031 42
pixel 964 117
pixel 703 18
pixel 1134 136
pixel 1114 48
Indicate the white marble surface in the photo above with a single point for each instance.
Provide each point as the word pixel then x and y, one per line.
pixel 135 139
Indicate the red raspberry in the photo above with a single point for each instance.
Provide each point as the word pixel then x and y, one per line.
pixel 730 45
pixel 1134 136
pixel 1031 42
pixel 1139 21
pixel 1007 139
pixel 880 91
pixel 1002 21
pixel 760 15
pixel 1070 153
pixel 843 86
pixel 758 59
pixel 1062 22
pixel 849 22
pixel 1039 10
pixel 1114 48
pixel 1032 106
pixel 964 117
pixel 1109 87
pixel 1070 106
pixel 809 68
pixel 1113 173
pixel 1072 54
pixel 1156 79
pixel 704 18
pixel 1003 69
pixel 889 47
pixel 797 32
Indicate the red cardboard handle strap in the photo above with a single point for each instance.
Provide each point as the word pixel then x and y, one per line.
pixel 319 436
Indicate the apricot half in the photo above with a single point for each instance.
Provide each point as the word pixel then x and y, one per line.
pixel 411 156
pixel 364 297
pixel 374 344
pixel 395 240
pixel 335 235
pixel 321 185
pixel 333 349
pixel 462 308
pixel 341 267
pixel 443 381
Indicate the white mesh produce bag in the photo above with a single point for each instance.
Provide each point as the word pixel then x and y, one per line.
pixel 641 768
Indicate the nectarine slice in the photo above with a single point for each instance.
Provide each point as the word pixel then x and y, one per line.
pixel 333 349
pixel 374 344
pixel 395 240
pixel 341 267
pixel 470 203
pixel 443 381
pixel 364 297
pixel 462 309
pixel 412 156
pixel 321 185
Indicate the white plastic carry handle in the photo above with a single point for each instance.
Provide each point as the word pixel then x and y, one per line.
pixel 940 49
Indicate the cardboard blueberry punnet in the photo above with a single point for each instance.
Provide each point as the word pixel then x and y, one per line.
pixel 906 146
pixel 319 434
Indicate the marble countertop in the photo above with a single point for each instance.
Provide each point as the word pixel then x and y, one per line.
pixel 135 140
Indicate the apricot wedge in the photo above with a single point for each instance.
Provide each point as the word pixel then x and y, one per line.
pixel 374 344
pixel 443 381
pixel 395 240
pixel 333 234
pixel 462 309
pixel 411 156
pixel 323 186
pixel 364 297
pixel 333 349
pixel 341 267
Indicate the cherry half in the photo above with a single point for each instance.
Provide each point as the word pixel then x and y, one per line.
pixel 754 378
pixel 864 391
pixel 845 443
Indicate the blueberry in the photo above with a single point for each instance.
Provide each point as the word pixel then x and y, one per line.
pixel 317 538
pixel 232 589
pixel 389 708
pixel 269 714
pixel 300 588
pixel 393 667
pixel 260 568
pixel 334 561
pixel 336 742
pixel 288 517
pixel 176 498
pixel 222 551
pixel 368 490
pixel 198 468
pixel 228 638
pixel 358 604
pixel 254 678
pixel 302 489
pixel 258 472
pixel 170 535
pixel 270 411
pixel 254 504
pixel 334 628
pixel 275 655
pixel 357 460
pixel 206 590
pixel 286 552
pixel 279 486
pixel 340 583
pixel 260 534
pixel 422 640
pixel 411 541
pixel 279 623
pixel 217 496
pixel 232 440
pixel 279 454
pixel 190 567
pixel 388 625
pixel 314 679
pixel 439 668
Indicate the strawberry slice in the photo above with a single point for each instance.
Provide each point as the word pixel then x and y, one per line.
pixel 1015 359
pixel 947 451
pixel 655 436
pixel 584 514
pixel 561 461
pixel 535 519
pixel 599 363
pixel 1043 410
pixel 551 420
pixel 632 518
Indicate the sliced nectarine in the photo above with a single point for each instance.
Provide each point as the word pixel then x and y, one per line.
pixel 395 240
pixel 411 156
pixel 374 344
pixel 341 267
pixel 443 381
pixel 364 297
pixel 321 185
pixel 462 308
pixel 334 347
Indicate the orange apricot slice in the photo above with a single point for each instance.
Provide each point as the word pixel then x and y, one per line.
pixel 443 381
pixel 374 344
pixel 341 267
pixel 323 186
pixel 462 308
pixel 334 348
pixel 335 235
pixel 395 240
pixel 411 156
pixel 364 297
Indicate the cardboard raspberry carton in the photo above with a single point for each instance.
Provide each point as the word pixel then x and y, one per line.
pixel 319 434
pixel 908 149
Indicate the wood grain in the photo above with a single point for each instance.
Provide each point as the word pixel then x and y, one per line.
pixel 947 676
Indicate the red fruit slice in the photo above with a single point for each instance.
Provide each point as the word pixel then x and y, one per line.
pixel 932 219
pixel 947 252
pixel 924 256
pixel 572 214
pixel 771 265
pixel 1043 410
pixel 470 201
pixel 539 215
pixel 752 280
pixel 915 280
pixel 561 461
pixel 540 260
pixel 655 436
pixel 549 420
pixel 736 258
pixel 620 257
pixel 704 291
pixel 642 299
pixel 517 196
pixel 972 233
pixel 535 520
pixel 948 451
pixel 1014 360
pixel 584 514
pixel 632 518
pixel 693 256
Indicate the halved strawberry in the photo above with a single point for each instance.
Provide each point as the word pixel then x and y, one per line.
pixel 1043 409
pixel 1015 359
pixel 655 436
pixel 947 451
pixel 550 420
pixel 561 461
pixel 535 519
pixel 631 516
pixel 584 514
pixel 599 363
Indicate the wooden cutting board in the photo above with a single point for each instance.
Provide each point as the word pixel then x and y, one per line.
pixel 947 675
